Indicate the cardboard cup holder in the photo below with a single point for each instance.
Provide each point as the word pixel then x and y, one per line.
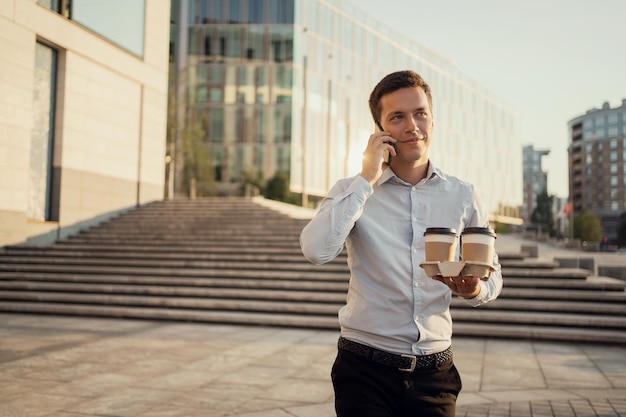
pixel 454 269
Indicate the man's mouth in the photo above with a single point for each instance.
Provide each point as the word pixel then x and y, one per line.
pixel 414 139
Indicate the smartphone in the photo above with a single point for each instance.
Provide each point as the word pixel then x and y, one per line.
pixel 386 154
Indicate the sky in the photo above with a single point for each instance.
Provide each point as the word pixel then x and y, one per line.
pixel 550 60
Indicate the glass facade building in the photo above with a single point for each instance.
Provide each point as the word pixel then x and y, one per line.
pixel 597 165
pixel 535 179
pixel 282 86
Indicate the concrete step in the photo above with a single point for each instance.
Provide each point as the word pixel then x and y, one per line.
pixel 461 328
pixel 274 265
pixel 562 313
pixel 208 282
pixel 582 301
pixel 214 251
pixel 231 317
pixel 536 289
pixel 173 273
pixel 234 261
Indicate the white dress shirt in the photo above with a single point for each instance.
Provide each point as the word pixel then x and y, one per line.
pixel 391 303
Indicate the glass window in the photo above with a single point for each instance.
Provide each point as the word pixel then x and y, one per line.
pixel 216 125
pixel 120 21
pixel 50 4
pixel 202 13
pixel 260 129
pixel 215 12
pixel 217 95
pixel 202 94
pixel 208 41
pixel 281 11
pixel 234 11
pixel 281 44
pixel 255 43
pixel 311 16
pixel 233 43
pixel 614 193
pixel 282 124
pixel 44 88
pixel 195 40
pixel 240 124
pixel 256 11
pixel 217 74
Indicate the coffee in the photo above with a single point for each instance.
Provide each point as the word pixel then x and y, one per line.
pixel 477 244
pixel 440 244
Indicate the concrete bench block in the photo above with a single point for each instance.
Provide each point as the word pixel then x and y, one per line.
pixel 531 250
pixel 618 272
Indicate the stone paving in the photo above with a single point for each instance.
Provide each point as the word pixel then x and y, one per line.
pixel 68 366
pixel 81 367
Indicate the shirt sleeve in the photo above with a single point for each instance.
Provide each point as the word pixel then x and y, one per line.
pixel 323 238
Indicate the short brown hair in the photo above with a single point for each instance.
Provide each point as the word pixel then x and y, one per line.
pixel 396 81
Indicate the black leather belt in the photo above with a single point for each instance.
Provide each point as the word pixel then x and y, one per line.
pixel 404 363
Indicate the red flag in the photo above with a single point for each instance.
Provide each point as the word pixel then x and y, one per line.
pixel 568 208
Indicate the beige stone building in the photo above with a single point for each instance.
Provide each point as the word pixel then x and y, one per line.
pixel 83 105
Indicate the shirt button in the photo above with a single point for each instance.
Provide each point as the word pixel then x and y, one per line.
pixel 417 284
pixel 414 250
pixel 417 319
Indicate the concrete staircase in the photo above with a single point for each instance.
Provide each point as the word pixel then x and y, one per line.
pixel 231 260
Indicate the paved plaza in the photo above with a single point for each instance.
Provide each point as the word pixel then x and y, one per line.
pixel 81 367
pixel 78 367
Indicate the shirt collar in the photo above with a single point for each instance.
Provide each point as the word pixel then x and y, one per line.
pixel 432 172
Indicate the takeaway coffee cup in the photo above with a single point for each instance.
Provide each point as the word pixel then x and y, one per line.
pixel 477 244
pixel 440 244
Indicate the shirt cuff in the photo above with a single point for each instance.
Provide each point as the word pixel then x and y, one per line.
pixel 478 299
pixel 361 188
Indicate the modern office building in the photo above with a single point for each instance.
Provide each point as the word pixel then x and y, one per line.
pixel 282 86
pixel 535 179
pixel 83 108
pixel 597 164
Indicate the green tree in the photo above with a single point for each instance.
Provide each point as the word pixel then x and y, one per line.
pixel 252 179
pixel 587 226
pixel 277 188
pixel 198 176
pixel 621 230
pixel 542 214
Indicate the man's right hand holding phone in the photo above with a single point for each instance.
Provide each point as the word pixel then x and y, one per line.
pixel 379 144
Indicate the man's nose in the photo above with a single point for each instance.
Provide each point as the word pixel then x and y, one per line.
pixel 411 125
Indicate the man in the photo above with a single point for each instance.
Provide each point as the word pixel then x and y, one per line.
pixel 394 356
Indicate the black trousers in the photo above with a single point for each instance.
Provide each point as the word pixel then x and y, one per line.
pixel 364 388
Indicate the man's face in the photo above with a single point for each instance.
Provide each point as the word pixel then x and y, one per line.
pixel 406 114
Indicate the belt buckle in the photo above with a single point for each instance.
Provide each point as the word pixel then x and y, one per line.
pixel 413 363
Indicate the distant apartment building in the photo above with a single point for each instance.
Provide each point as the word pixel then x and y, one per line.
pixel 535 179
pixel 283 86
pixel 597 164
pixel 83 105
